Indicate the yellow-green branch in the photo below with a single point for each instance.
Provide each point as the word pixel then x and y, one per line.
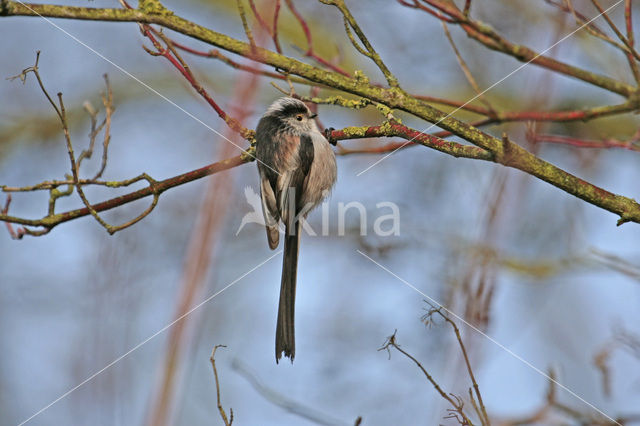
pixel 503 151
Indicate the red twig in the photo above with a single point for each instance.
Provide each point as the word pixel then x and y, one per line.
pixel 631 144
pixel 15 235
pixel 467 7
pixel 549 116
pixel 273 33
pixel 630 42
pixel 303 24
pixel 580 18
pixel 629 22
pixel 216 54
pixel 436 13
pixel 328 64
pixel 307 33
pixel 493 40
pixel 390 147
pixel 171 55
pixel 276 16
pixel 259 18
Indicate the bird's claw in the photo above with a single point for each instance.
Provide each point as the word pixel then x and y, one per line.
pixel 327 134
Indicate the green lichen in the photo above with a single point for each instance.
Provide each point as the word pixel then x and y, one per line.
pixel 355 132
pixel 387 112
pixel 361 77
pixel 250 153
pixel 153 7
pixel 387 128
pixel 152 12
pixel 341 101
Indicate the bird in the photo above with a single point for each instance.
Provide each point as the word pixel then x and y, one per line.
pixel 297 169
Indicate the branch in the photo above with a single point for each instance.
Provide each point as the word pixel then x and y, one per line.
pixel 452 399
pixel 481 411
pixel 394 128
pixel 281 400
pixel 562 116
pixel 276 17
pixel 176 60
pixel 504 151
pixel 227 420
pixel 245 24
pixel 216 54
pixel 486 35
pixel 351 23
pixel 632 144
pixel 587 24
pixel 107 102
pixel 631 41
pixel 307 33
pixel 50 221
pixel 465 70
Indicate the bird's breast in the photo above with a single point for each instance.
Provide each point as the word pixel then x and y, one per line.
pixel 323 171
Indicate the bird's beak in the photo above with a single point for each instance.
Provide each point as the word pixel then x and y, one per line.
pixel 312 115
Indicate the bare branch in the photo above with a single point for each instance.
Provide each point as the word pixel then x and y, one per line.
pixel 285 402
pixel 351 23
pixel 482 412
pixel 228 421
pixel 509 154
pixel 456 403
pixel 466 71
pixel 245 24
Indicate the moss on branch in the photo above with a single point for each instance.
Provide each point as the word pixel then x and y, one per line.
pixel 500 151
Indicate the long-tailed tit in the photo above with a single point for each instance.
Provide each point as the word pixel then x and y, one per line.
pixel 297 169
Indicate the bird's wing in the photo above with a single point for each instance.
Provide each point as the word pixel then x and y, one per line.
pixel 270 211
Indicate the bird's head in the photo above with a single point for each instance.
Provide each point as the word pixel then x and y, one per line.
pixel 294 113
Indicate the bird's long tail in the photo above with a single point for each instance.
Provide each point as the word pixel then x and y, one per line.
pixel 285 334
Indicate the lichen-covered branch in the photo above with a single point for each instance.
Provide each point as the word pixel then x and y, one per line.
pixel 394 128
pixel 52 220
pixel 350 23
pixel 503 151
pixel 486 35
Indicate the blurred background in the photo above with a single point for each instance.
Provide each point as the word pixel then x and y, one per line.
pixel 543 273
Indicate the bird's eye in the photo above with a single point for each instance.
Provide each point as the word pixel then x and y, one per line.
pixel 299 117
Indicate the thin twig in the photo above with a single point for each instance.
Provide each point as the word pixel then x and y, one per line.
pixel 465 69
pixel 631 54
pixel 16 235
pixel 484 34
pixel 303 25
pixel 513 155
pixel 245 25
pixel 351 23
pixel 284 401
pixel 170 53
pixel 107 102
pixel 276 16
pixel 631 40
pixel 482 412
pixel 307 33
pixel 260 19
pixel 614 27
pixel 52 220
pixel 227 420
pixel 632 144
pixel 455 402
pixel 586 23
